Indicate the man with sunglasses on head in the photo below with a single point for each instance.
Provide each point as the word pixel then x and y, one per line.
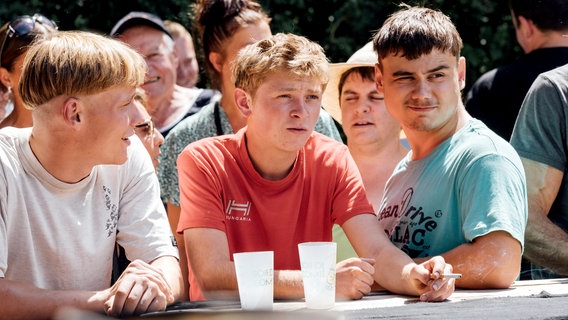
pixel 16 36
pixel 78 182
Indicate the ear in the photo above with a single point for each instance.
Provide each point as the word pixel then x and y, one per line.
pixel 5 78
pixel 526 27
pixel 71 111
pixel 379 79
pixel 243 102
pixel 461 72
pixel 216 60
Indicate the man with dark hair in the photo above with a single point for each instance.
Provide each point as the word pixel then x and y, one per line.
pixel 460 192
pixel 541 28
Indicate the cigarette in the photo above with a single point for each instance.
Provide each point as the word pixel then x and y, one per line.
pixel 447 276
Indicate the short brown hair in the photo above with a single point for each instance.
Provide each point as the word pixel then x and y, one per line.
pixel 415 31
pixel 76 63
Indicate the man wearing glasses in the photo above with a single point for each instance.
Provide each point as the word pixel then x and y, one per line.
pixel 77 183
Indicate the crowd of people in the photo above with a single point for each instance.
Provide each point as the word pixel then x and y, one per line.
pixel 141 186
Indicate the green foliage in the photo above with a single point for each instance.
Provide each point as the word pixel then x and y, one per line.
pixel 339 26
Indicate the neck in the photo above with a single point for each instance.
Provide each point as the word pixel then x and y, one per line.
pixel 236 118
pixel 270 164
pixel 375 177
pixel 63 159
pixel 551 39
pixel 166 111
pixel 424 142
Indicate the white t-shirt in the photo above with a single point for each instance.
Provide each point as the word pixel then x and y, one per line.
pixel 61 236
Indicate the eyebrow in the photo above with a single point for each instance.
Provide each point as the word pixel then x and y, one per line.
pixel 406 73
pixel 143 124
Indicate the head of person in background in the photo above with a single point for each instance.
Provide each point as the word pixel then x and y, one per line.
pixel 373 135
pixel 168 103
pixel 540 24
pixel 225 27
pixel 188 68
pixel 16 37
pixel 150 136
pixel 146 34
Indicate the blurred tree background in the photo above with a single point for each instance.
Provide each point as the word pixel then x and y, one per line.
pixel 339 26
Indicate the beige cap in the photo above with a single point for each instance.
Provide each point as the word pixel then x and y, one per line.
pixel 364 57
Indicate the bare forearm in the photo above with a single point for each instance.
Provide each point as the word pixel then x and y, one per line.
pixel 23 301
pixel 392 271
pixel 171 271
pixel 491 261
pixel 545 245
pixel 173 218
pixel 288 284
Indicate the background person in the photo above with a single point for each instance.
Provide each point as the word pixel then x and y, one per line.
pixel 373 135
pixel 168 103
pixel 540 139
pixel 16 37
pixel 540 27
pixel 188 68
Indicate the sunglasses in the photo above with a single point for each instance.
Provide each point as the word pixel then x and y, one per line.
pixel 23 25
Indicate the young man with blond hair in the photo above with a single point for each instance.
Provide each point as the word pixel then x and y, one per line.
pixel 79 182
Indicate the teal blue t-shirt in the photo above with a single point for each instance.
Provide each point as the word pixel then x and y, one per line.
pixel 470 185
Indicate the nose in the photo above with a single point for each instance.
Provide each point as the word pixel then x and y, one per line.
pixel 364 105
pixel 421 89
pixel 158 138
pixel 299 109
pixel 135 116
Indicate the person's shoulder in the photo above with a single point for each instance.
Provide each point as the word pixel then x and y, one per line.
pixel 194 122
pixel 11 136
pixel 226 141
pixel 479 140
pixel 556 75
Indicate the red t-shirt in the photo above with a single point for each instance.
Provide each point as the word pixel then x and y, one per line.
pixel 220 189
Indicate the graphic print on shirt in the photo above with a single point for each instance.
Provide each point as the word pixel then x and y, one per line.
pixel 112 209
pixel 408 226
pixel 238 211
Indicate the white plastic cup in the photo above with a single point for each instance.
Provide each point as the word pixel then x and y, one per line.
pixel 255 278
pixel 317 260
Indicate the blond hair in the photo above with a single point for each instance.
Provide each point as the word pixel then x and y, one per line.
pixel 294 54
pixel 77 63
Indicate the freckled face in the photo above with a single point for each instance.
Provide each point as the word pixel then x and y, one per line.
pixel 285 110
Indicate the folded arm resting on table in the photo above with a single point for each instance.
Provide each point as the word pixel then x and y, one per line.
pixel 208 252
pixel 491 261
pixel 394 270
pixel 141 288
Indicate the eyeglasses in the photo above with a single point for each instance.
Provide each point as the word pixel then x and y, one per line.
pixel 23 25
pixel 145 129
